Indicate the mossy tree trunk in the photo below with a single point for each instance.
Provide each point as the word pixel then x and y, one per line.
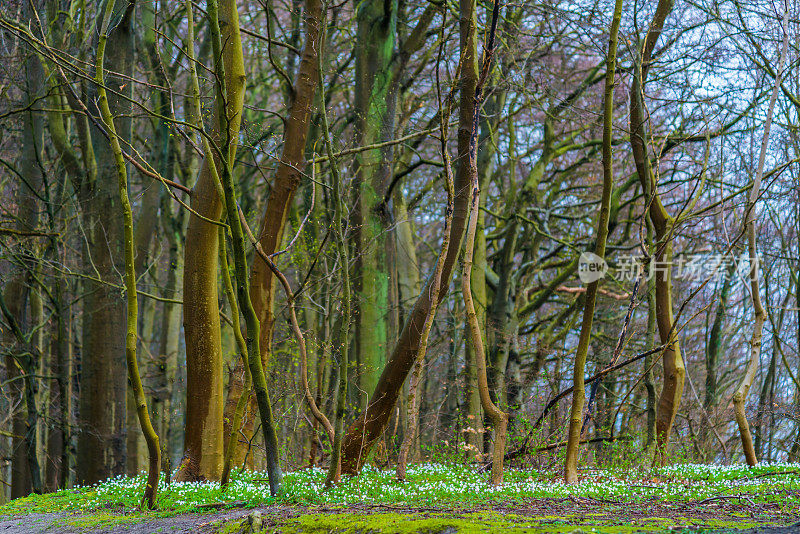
pixel 376 34
pixel 131 338
pixel 203 439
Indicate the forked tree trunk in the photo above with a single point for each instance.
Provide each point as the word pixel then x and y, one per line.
pixel 674 368
pixel 468 32
pixel 578 394
pixel 228 75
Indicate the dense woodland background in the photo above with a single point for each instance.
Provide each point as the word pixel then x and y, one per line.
pixel 337 128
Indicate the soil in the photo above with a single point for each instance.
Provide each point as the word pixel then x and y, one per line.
pixel 723 515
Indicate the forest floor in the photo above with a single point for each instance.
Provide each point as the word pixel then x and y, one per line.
pixel 436 499
pixel 566 516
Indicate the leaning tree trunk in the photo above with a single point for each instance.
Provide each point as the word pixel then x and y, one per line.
pixel 578 393
pixel 365 431
pixel 759 314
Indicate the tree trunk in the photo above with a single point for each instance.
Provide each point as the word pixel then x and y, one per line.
pixel 649 361
pixel 102 440
pixel 578 394
pixel 203 440
pixel 374 100
pixel 362 434
pixel 470 79
pixel 60 396
pixel 435 288
pixel 22 360
pixel 284 187
pixel 714 344
pixel 131 338
pixel 674 369
pixel 759 314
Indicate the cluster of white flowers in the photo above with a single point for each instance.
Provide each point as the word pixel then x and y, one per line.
pixel 440 483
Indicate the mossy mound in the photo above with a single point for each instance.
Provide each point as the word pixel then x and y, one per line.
pixel 468 523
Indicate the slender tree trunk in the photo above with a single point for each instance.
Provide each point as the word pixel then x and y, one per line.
pixel 794 452
pixel 435 288
pixel 473 429
pixel 649 361
pixel 154 451
pixel 169 350
pixel 406 257
pixel 759 313
pixel 339 222
pixel 578 394
pixel 714 344
pixel 60 396
pixel 765 399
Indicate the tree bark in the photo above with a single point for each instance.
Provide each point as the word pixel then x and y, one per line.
pixel 284 187
pixel 22 360
pixel 435 288
pixel 375 42
pixel 102 445
pixel 131 338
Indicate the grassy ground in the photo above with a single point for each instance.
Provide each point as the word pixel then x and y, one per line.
pixel 436 498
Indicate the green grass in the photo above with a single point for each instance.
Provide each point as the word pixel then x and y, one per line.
pixel 440 485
